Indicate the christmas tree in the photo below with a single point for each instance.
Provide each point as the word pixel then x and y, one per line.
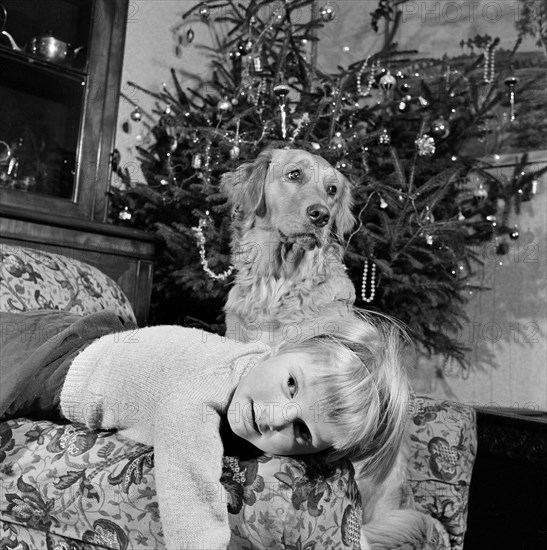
pixel 402 129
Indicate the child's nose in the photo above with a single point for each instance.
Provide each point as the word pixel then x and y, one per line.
pixel 278 420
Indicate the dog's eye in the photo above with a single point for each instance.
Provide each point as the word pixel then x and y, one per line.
pixel 331 190
pixel 293 175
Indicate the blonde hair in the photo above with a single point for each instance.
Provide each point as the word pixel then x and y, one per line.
pixel 360 361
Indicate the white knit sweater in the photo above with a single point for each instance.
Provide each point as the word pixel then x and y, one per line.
pixel 165 386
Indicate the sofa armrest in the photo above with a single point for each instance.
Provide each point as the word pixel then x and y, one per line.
pixel 443 449
pixel 32 279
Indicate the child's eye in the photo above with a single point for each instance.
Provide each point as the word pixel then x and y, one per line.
pixel 292 385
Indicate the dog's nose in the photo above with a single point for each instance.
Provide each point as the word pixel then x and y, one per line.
pixel 318 214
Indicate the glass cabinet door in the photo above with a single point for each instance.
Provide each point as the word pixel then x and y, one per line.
pixel 43 64
pixel 60 70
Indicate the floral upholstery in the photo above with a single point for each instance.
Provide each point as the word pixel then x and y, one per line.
pixel 34 279
pixel 65 484
pixel 444 444
pixel 64 488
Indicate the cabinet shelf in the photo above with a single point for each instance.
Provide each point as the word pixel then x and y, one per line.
pixel 28 61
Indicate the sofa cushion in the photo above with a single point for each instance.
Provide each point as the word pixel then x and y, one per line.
pixel 65 483
pixel 34 279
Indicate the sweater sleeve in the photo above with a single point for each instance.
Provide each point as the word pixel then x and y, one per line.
pixel 117 382
pixel 188 464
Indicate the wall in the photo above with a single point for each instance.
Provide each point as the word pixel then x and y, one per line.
pixel 507 329
pixel 153 31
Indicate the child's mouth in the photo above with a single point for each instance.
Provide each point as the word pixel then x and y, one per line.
pixel 255 425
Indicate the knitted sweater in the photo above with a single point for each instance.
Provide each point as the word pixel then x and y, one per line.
pixel 166 386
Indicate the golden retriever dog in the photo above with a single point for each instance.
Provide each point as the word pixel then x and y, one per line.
pixel 291 211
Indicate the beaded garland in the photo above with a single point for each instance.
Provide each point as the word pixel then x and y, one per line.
pixel 364 283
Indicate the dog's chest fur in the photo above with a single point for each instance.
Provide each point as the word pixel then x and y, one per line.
pixel 283 284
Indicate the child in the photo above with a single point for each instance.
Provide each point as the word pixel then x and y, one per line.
pixel 342 393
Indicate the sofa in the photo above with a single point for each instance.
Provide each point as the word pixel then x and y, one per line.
pixel 63 487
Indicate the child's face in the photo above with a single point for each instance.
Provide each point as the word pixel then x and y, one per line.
pixel 276 407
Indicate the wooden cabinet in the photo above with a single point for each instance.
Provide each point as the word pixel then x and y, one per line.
pixel 60 70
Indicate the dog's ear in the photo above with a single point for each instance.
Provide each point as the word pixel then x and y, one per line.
pixel 344 219
pixel 246 186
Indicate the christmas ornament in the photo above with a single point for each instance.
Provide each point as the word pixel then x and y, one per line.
pixel 425 145
pixel 327 13
pixel 405 87
pixel 164 182
pixel 242 47
pixel 429 239
pixel 365 283
pixel 337 142
pixel 196 161
pixel 480 193
pixel 511 83
pixel 204 12
pixel 383 204
pixel 235 151
pixel 125 214
pixel 439 128
pixel 514 235
pixel 423 101
pixel 461 217
pixel 136 114
pixel 387 82
pixel 257 65
pixel 385 138
pixel 281 91
pixel 200 241
pixel 224 105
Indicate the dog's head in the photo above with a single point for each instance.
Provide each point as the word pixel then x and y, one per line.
pixel 298 195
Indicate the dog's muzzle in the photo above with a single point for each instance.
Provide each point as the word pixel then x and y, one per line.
pixel 307 241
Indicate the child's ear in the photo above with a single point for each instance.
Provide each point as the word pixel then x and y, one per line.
pixel 246 186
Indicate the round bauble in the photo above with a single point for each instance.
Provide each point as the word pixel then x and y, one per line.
pixel 235 151
pixel 327 13
pixel 387 82
pixel 136 114
pixel 337 142
pixel 204 12
pixel 439 128
pixel 224 105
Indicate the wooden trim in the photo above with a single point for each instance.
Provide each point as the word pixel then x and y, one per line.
pixel 118 10
pixel 94 243
pixel 79 224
